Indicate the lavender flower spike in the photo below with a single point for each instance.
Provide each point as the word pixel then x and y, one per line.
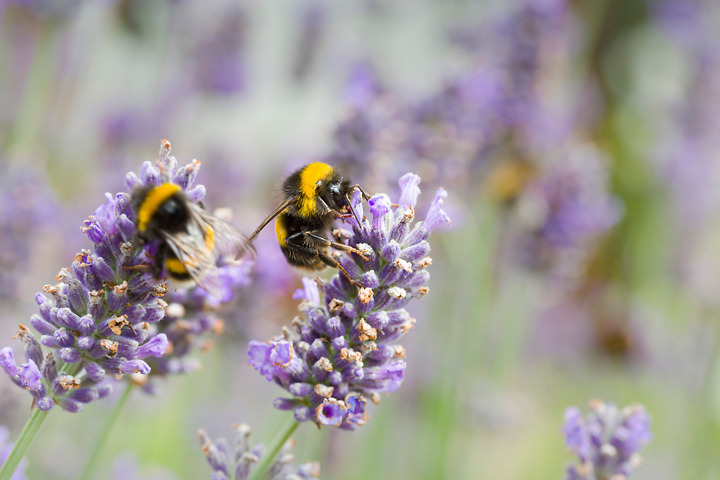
pixel 101 317
pixel 236 462
pixel 607 441
pixel 343 351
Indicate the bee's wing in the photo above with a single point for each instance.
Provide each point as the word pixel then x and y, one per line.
pixel 228 241
pixel 192 251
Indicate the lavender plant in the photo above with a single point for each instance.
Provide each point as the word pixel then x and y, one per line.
pixel 239 461
pixel 343 352
pixel 104 316
pixel 607 441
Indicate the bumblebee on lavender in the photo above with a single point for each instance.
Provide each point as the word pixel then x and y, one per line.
pixel 191 239
pixel 314 196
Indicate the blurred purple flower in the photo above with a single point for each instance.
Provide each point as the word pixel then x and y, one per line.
pixel 344 350
pixel 312 24
pixel 219 63
pixel 563 211
pixel 27 204
pixel 607 441
pixel 44 10
pixel 236 462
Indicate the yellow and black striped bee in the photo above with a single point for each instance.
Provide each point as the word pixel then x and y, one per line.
pixel 314 196
pixel 192 239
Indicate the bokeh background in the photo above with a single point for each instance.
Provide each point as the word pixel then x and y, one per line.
pixel 580 146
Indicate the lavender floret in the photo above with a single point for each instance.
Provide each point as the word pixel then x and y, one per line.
pixel 236 462
pixel 344 350
pixel 607 441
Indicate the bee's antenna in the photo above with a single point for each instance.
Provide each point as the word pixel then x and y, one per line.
pixel 274 214
pixel 353 211
pixel 365 195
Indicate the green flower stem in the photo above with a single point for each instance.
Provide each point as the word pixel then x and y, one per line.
pixel 282 437
pixel 23 443
pixel 104 433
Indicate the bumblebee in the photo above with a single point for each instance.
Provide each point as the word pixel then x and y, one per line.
pixel 191 238
pixel 314 196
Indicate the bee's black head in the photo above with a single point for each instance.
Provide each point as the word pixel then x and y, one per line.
pixel 336 191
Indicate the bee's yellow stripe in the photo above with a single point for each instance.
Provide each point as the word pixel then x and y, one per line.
pixel 152 202
pixel 308 186
pixel 280 231
pixel 173 265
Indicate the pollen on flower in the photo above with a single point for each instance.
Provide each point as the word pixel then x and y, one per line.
pixel 23 332
pixel 409 214
pixel 404 265
pixel 110 345
pixel 422 291
pixel 425 262
pixel 160 290
pixel 365 249
pixel 116 323
pixel 365 295
pixel 366 331
pixel 51 290
pixel 64 274
pixel 399 351
pixel 350 355
pixel 335 305
pixel 324 364
pixel 409 325
pixel 397 292
pixel 121 289
pixel 69 382
pixel 324 390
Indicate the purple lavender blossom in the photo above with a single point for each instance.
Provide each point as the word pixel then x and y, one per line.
pixel 219 61
pixel 104 316
pixel 5 449
pixel 236 462
pixel 56 11
pixel 607 441
pixel 344 350
pixel 191 317
pixel 26 205
pixel 563 211
pixel 312 25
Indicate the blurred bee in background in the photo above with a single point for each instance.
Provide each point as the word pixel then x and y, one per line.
pixel 314 196
pixel 192 239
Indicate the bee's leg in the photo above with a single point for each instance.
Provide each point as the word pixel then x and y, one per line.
pixel 327 208
pixel 325 258
pixel 337 246
pixel 331 262
pixel 145 268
